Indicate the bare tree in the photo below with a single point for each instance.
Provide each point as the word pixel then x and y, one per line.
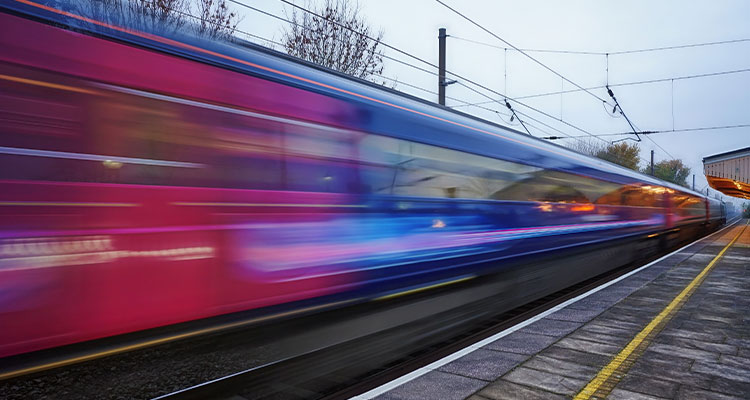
pixel 216 21
pixel 337 38
pixel 158 15
pixel 588 147
pixel 213 20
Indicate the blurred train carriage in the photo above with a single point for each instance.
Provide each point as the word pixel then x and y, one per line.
pixel 148 181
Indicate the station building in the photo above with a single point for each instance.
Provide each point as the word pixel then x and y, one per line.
pixel 729 172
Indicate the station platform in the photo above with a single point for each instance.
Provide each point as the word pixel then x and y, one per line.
pixel 677 328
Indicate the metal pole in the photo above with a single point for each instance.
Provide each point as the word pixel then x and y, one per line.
pixel 693 181
pixel 652 163
pixel 441 66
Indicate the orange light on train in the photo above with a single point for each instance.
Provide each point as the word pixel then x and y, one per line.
pixel 582 208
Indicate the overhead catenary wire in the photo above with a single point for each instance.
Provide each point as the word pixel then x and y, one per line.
pixel 529 117
pixel 681 46
pixel 694 129
pixel 643 82
pixel 591 53
pixel 657 144
pixel 660 147
pixel 531 108
pixel 622 112
pixel 602 53
pixel 617 105
pixel 517 49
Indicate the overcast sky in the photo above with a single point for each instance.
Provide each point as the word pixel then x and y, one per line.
pixel 584 25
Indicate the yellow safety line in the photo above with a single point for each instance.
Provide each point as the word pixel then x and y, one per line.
pixel 65 204
pixel 606 379
pixel 421 289
pixel 45 84
pixel 148 343
pixel 179 203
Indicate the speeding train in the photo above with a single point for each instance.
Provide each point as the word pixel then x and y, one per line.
pixel 149 180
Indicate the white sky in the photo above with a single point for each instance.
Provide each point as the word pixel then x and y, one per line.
pixel 583 25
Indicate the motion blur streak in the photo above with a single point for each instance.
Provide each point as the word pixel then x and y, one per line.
pixel 46 84
pixel 148 181
pixel 107 161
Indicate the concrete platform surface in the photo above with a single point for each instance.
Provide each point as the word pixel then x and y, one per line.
pixel 700 350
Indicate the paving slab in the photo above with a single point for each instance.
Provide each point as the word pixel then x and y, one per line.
pixel 484 364
pixel 436 385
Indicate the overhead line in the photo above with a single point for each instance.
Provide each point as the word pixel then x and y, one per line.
pixel 538 121
pixel 532 108
pixel 708 128
pixel 517 49
pixel 682 46
pixel 705 128
pixel 658 145
pixel 644 82
pixel 602 53
pixel 589 53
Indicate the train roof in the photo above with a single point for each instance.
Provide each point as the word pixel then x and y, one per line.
pixel 381 110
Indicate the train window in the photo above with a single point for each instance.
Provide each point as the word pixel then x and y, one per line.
pixel 37 118
pixel 557 187
pixel 33 112
pixel 315 175
pixel 245 152
pixel 542 186
pixel 155 135
pixel 320 159
pixel 633 195
pixel 688 205
pixel 398 167
pixel 320 142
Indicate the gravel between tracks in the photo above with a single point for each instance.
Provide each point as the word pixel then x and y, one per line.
pixel 143 374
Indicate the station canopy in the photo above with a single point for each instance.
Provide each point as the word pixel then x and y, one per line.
pixel 729 172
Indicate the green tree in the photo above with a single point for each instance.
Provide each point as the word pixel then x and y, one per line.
pixel 670 170
pixel 622 153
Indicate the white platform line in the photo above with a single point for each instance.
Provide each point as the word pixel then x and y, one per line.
pixel 445 360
